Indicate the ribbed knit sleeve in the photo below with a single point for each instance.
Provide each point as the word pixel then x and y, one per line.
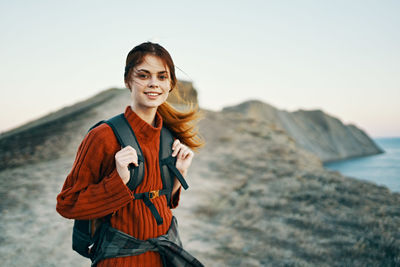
pixel 93 188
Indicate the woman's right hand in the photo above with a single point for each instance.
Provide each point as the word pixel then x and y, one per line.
pixel 123 158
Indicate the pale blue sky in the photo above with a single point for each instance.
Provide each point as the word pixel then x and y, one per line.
pixel 339 56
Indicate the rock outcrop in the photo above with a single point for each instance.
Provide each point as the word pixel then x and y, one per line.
pixel 184 91
pixel 324 135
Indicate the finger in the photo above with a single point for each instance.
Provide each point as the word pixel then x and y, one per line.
pixel 178 148
pixel 123 163
pixel 183 152
pixel 125 160
pixel 129 163
pixel 187 154
pixel 127 150
pixel 130 160
pixel 176 142
pixel 133 160
pixel 131 166
pixel 126 154
pixel 130 149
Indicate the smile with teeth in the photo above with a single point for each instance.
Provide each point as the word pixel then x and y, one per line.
pixel 152 94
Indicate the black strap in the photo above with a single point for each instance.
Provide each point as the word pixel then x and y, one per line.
pixel 97 124
pixel 170 163
pixel 153 210
pixel 146 199
pixel 125 137
pixel 166 141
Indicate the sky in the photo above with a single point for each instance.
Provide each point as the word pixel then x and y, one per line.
pixel 342 57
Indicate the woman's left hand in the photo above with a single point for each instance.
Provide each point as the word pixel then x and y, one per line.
pixel 184 156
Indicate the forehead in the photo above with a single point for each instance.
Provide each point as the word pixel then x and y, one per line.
pixel 152 64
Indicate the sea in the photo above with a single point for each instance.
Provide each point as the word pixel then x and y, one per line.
pixel 382 169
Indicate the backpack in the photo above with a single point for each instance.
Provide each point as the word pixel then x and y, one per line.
pixel 84 234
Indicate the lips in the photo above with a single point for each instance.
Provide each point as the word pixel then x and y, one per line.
pixel 152 93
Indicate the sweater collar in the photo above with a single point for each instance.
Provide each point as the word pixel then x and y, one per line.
pixel 142 129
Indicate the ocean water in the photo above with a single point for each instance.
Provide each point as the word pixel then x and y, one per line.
pixel 382 169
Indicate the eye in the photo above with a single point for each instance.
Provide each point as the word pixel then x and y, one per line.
pixel 162 77
pixel 142 76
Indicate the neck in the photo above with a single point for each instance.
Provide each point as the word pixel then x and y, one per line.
pixel 148 114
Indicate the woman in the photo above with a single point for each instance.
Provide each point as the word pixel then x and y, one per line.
pixel 97 183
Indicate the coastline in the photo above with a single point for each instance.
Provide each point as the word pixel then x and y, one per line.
pixel 377 168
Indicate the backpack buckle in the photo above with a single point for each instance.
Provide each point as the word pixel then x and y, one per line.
pixel 154 194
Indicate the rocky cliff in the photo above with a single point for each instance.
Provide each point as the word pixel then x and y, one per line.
pixel 324 135
pixel 256 197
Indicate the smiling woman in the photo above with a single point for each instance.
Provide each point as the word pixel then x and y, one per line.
pixel 133 203
pixel 147 76
pixel 150 85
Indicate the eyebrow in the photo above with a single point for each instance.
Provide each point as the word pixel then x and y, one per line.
pixel 160 72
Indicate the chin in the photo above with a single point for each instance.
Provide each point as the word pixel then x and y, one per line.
pixel 154 105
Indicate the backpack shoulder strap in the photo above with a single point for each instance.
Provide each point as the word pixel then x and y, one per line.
pixel 97 124
pixel 166 141
pixel 167 163
pixel 126 137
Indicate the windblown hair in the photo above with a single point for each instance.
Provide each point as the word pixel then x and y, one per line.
pixel 181 123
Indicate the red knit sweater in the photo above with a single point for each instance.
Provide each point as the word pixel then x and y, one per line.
pixel 93 189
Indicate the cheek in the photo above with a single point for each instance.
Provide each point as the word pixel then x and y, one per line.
pixel 133 93
pixel 166 96
pixel 166 86
pixel 139 83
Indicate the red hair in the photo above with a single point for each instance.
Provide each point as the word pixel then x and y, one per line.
pixel 181 123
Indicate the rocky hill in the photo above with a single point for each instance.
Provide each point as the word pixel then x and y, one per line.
pixel 256 197
pixel 324 135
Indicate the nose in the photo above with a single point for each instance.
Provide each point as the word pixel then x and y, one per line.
pixel 153 83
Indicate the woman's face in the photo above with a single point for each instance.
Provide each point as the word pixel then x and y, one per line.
pixel 150 83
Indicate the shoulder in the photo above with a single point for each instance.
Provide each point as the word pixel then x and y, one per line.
pixel 103 137
pixel 102 130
